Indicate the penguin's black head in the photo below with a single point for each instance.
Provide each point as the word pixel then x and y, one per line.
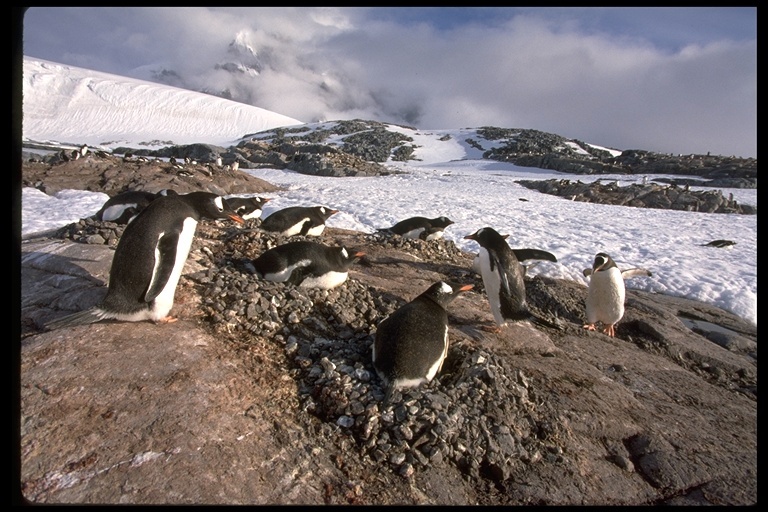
pixel 326 212
pixel 212 206
pixel 441 222
pixel 443 293
pixel 602 262
pixel 485 236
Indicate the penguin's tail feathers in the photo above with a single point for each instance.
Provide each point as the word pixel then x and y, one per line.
pixel 85 317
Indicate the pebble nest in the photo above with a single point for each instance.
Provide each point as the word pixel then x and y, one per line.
pixel 479 413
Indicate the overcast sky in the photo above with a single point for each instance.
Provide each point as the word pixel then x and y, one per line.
pixel 677 80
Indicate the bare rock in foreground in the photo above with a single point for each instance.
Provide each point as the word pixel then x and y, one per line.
pixel 244 401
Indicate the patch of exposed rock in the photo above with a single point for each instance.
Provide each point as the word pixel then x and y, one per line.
pixel 650 195
pixel 279 394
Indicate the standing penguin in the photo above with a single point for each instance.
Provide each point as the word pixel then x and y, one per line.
pixel 502 277
pixel 411 343
pixel 298 220
pixel 306 264
pixel 415 227
pixel 606 293
pixel 149 259
pixel 247 207
pixel 122 207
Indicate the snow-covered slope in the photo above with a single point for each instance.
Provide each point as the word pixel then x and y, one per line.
pixel 67 104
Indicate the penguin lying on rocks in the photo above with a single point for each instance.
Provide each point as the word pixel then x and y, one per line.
pixel 502 274
pixel 411 344
pixel 307 264
pixel 298 220
pixel 122 207
pixel 247 207
pixel 606 293
pixel 416 227
pixel 149 259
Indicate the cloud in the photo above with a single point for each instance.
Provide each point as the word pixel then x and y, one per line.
pixel 623 78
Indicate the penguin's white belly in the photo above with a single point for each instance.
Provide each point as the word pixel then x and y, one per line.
pixel 295 229
pixel 253 215
pixel 163 303
pixel 414 233
pixel 492 283
pixel 326 281
pixel 605 298
pixel 114 212
pixel 316 231
pixel 435 235
pixel 283 275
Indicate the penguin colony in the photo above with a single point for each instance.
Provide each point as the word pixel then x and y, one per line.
pixel 410 344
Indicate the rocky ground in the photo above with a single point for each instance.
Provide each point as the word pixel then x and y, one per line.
pixel 264 393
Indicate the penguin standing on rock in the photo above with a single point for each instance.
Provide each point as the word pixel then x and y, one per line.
pixel 416 227
pixel 411 344
pixel 122 207
pixel 306 264
pixel 298 220
pixel 606 293
pixel 502 275
pixel 149 259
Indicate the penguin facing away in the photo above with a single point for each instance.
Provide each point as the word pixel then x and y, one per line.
pixel 149 259
pixel 122 207
pixel 411 344
pixel 415 227
pixel 306 264
pixel 502 276
pixel 606 293
pixel 247 207
pixel 298 220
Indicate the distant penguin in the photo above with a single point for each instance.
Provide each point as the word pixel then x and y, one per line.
pixel 235 165
pixel 149 259
pixel 720 243
pixel 122 207
pixel 502 276
pixel 413 227
pixel 411 344
pixel 306 264
pixel 606 293
pixel 247 207
pixel 298 220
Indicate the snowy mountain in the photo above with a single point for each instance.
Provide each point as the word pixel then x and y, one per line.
pixel 72 105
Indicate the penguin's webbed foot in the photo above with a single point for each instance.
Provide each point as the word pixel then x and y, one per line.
pixel 589 327
pixel 491 328
pixel 167 320
pixel 610 330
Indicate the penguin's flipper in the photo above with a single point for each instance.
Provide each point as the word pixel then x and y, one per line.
pixel 305 228
pixel 495 265
pixel 533 254
pixel 166 253
pixel 635 272
pixel 85 317
pixel 298 276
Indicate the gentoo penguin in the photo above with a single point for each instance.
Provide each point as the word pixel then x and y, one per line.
pixel 410 345
pixel 298 220
pixel 247 207
pixel 720 243
pixel 306 264
pixel 502 276
pixel 413 227
pixel 149 259
pixel 606 293
pixel 121 208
